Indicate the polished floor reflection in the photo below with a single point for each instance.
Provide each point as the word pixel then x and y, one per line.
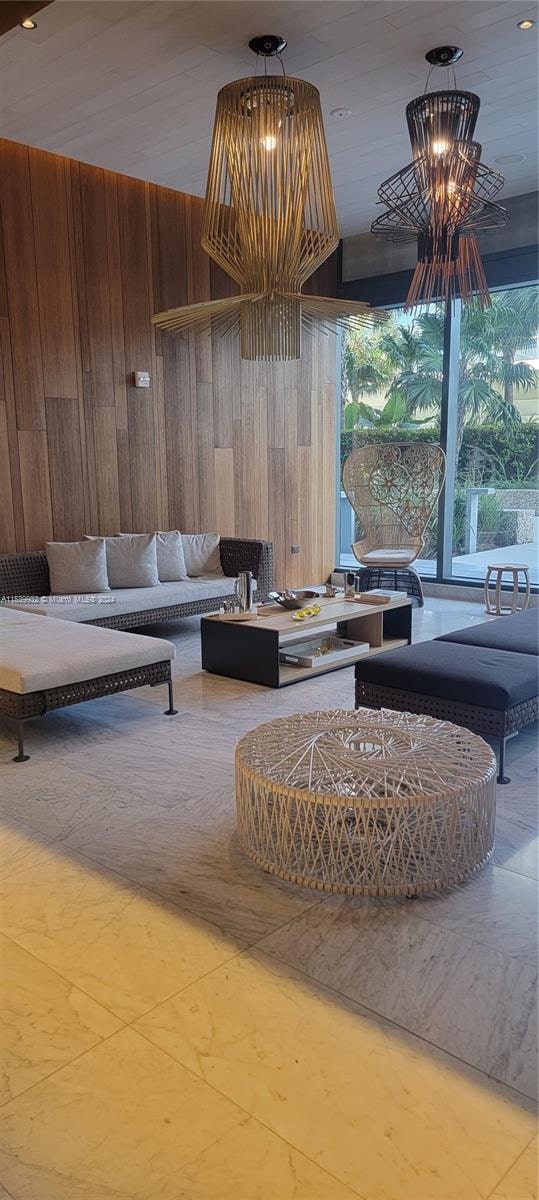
pixel 177 1025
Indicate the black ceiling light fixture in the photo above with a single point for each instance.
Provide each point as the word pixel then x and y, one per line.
pixel 444 197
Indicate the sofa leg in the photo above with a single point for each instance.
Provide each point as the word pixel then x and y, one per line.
pixel 21 756
pixel 170 711
pixel 501 763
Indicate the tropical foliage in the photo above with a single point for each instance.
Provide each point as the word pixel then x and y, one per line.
pixel 403 362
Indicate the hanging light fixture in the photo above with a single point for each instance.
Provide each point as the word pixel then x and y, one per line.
pixel 269 214
pixel 444 197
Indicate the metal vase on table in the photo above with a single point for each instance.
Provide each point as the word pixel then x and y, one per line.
pixel 244 591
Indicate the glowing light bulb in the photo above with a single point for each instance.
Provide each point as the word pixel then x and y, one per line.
pixel 28 23
pixel 440 147
pixel 269 142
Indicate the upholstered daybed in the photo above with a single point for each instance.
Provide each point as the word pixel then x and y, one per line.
pixel 51 664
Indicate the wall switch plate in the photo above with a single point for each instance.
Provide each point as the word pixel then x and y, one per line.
pixel 294 549
pixel 142 379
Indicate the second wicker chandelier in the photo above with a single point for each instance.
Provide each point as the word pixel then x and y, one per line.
pixel 444 197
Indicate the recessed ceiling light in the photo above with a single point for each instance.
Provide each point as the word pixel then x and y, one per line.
pixel 526 24
pixel 341 114
pixel 509 158
pixel 28 23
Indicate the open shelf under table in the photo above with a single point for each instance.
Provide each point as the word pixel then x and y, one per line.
pixel 290 674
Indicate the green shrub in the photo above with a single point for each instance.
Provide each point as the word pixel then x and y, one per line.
pixel 511 453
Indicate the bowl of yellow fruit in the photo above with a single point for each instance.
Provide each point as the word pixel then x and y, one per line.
pixel 310 610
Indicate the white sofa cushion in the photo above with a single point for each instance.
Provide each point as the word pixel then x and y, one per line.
pixel 131 560
pixel 128 600
pixel 170 556
pixel 38 654
pixel 77 566
pixel 202 554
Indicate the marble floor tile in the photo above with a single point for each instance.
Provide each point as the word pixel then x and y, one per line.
pixel 192 859
pixel 520 798
pixel 53 735
pixel 45 1021
pixel 522 1180
pixel 250 1163
pixel 497 908
pixel 423 977
pixel 389 1116
pixel 167 773
pixel 517 846
pixel 125 948
pixel 120 1123
pixel 19 847
pixel 57 800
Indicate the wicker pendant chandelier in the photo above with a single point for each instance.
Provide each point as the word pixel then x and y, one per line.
pixel 444 197
pixel 269 215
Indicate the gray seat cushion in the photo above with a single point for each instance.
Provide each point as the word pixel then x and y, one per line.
pixel 37 654
pixel 518 633
pixel 467 674
pixel 122 601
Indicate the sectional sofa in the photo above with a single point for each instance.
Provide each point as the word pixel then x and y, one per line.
pixel 24 581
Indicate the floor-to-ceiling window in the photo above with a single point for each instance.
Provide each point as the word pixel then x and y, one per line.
pixel 468 378
pixel 391 392
pixel 496 499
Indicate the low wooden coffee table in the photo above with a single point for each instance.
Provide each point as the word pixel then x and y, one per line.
pixel 250 650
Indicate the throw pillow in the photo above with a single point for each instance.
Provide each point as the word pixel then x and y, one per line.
pixel 170 557
pixel 131 560
pixel 76 567
pixel 202 555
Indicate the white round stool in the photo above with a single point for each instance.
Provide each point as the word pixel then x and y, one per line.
pixel 373 803
pixel 499 570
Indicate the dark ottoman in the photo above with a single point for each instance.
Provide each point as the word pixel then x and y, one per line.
pixel 489 691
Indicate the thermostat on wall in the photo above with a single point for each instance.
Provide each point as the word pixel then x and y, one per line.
pixel 142 379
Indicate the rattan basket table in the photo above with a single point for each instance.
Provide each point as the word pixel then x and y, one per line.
pixel 375 803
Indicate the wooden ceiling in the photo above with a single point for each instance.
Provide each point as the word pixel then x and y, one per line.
pixel 12 12
pixel 130 85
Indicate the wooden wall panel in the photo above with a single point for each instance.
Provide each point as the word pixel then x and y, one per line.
pixel 49 176
pixel 21 282
pixel 86 256
pixel 35 487
pixel 65 468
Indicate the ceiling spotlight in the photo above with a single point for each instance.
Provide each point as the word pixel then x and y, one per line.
pixel 28 23
pixel 526 24
pixel 340 114
pixel 509 158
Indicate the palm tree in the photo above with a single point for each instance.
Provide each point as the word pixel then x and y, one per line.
pixel 404 362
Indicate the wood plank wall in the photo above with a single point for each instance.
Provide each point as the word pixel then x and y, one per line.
pixel 214 444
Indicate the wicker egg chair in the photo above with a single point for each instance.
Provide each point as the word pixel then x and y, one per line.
pixel 393 488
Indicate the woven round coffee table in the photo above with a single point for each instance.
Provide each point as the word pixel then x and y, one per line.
pixel 373 803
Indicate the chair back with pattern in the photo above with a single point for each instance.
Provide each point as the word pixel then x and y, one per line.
pixel 393 487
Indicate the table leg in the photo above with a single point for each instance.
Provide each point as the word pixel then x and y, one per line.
pixel 487 598
pixel 498 592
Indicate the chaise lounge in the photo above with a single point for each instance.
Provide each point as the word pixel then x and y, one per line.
pixel 52 664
